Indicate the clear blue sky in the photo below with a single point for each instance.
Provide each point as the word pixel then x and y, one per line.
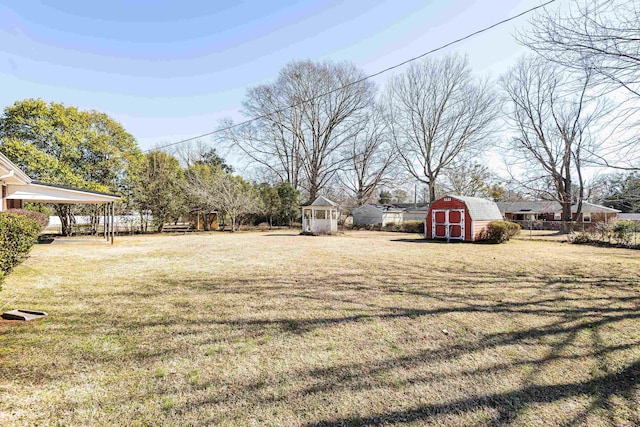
pixel 171 69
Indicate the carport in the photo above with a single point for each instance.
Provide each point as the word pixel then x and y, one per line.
pixel 17 187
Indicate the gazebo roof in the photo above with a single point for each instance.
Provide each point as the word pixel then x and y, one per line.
pixel 321 201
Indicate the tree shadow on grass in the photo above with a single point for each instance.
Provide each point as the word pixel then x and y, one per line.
pixel 292 306
pixel 566 313
pixel 622 384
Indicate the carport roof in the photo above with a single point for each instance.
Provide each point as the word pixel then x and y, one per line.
pixel 47 193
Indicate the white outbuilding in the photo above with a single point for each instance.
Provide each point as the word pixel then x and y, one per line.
pixel 320 217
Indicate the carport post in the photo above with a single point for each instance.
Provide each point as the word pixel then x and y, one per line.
pixel 107 210
pixel 104 221
pixel 113 221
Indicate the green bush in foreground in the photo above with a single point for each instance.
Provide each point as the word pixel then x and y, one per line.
pixel 18 233
pixel 500 231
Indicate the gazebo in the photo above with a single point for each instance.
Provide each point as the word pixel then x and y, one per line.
pixel 320 217
pixel 16 187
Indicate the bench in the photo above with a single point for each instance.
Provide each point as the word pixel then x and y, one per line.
pixel 177 228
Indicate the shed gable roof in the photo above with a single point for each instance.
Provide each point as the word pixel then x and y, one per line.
pixel 481 209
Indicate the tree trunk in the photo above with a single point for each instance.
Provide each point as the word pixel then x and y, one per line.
pixel 63 212
pixel 94 219
pixel 432 191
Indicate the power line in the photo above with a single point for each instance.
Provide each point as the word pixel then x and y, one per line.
pixel 415 58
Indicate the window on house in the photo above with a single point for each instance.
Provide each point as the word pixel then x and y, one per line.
pixel 586 217
pixel 557 216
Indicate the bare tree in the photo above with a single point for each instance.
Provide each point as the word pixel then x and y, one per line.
pixel 370 158
pixel 468 179
pixel 438 113
pixel 210 188
pixel 551 118
pixel 201 188
pixel 602 36
pixel 236 198
pixel 303 120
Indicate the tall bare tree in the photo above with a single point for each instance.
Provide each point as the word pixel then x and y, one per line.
pixel 370 158
pixel 303 120
pixel 602 36
pixel 551 117
pixel 438 113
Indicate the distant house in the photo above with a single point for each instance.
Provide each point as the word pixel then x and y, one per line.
pixel 460 218
pixel 385 214
pixel 320 216
pixel 550 212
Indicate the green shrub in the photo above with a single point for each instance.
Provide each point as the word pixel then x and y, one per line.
pixel 18 233
pixel 623 231
pixel 38 217
pixel 499 231
pixel 412 227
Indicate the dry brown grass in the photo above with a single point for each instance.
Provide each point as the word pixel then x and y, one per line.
pixel 285 330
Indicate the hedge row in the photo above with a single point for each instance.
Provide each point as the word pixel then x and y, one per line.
pixel 623 232
pixel 18 233
pixel 405 227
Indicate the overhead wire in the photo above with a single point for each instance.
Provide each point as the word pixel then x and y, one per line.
pixel 398 65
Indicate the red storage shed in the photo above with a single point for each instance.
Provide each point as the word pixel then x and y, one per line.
pixel 460 218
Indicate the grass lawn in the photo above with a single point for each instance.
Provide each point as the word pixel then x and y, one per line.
pixel 284 330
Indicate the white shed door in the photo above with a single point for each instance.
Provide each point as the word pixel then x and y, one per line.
pixel 447 224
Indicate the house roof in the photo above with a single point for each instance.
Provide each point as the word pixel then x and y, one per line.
pixel 10 173
pixel 392 208
pixel 412 206
pixel 480 209
pixel 530 206
pixel 593 208
pixel 549 206
pixel 629 216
